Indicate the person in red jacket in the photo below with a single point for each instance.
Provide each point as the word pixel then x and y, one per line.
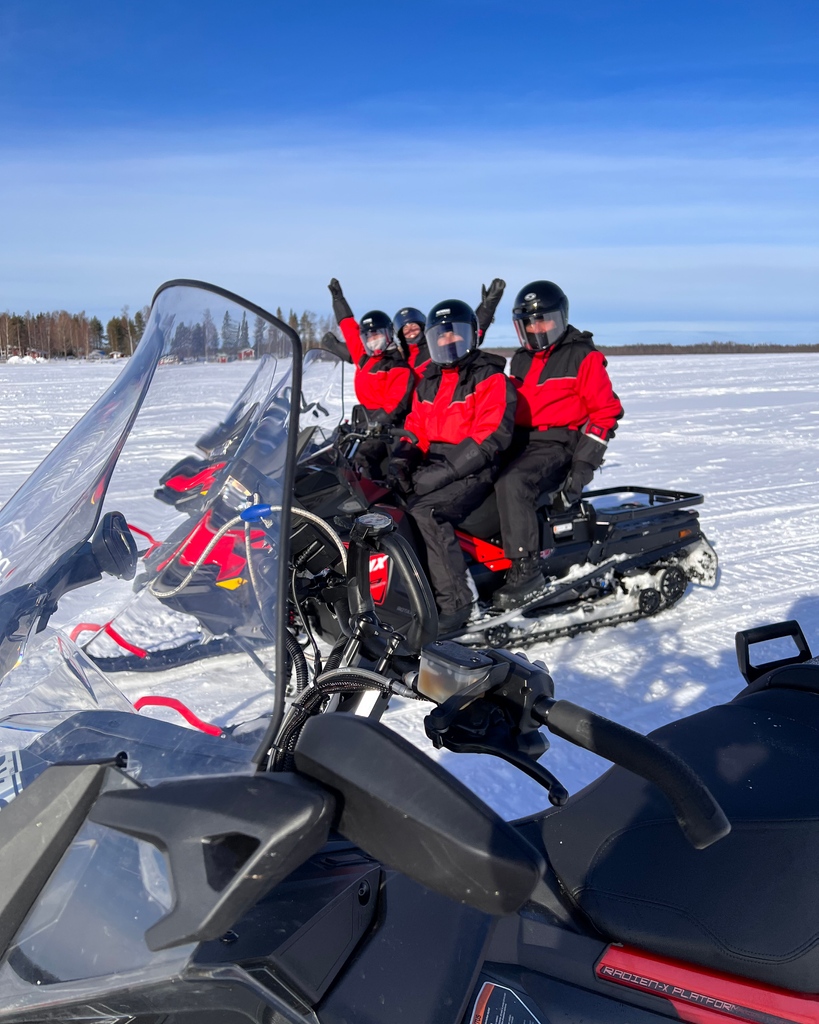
pixel 384 380
pixel 409 325
pixel 566 413
pixel 461 419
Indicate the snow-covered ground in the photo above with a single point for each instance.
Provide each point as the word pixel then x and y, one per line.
pixel 744 430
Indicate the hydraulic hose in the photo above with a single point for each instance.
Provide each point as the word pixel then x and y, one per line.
pixel 303 513
pixel 343 680
pixel 334 657
pixel 299 661
pixel 164 594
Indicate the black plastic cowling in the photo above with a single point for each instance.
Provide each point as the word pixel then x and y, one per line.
pixel 409 813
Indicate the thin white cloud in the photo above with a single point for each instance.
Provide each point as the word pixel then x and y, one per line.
pixel 637 229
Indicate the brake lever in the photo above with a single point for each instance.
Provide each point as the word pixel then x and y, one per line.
pixel 478 727
pixel 496 716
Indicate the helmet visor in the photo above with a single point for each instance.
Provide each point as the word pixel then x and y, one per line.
pixel 376 341
pixel 450 341
pixel 540 330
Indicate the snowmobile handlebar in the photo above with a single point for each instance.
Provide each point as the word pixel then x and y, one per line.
pixel 698 814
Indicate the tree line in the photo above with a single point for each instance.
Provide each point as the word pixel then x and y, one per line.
pixel 60 334
pixel 705 348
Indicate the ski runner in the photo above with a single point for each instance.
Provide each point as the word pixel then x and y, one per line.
pixel 566 414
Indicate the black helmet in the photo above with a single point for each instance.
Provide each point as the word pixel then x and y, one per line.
pixel 376 332
pixel 540 315
pixel 452 331
pixel 408 315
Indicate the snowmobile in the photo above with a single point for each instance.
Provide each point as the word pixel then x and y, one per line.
pixel 622 554
pixel 196 595
pixel 297 868
pixel 186 484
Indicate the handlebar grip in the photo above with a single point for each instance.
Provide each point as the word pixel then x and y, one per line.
pixel 697 812
pixel 424 628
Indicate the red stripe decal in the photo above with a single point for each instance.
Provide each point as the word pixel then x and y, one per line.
pixel 84 627
pixel 703 996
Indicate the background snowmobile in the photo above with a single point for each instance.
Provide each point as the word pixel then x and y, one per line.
pixel 186 484
pixel 624 553
pixel 297 873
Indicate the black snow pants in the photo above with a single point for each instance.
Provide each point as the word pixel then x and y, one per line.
pixel 436 515
pixel 542 466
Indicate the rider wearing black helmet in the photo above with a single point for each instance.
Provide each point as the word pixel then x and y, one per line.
pixel 461 419
pixel 409 324
pixel 383 378
pixel 565 415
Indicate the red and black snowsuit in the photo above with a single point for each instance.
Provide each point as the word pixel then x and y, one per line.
pixel 383 382
pixel 418 356
pixel 383 385
pixel 566 412
pixel 462 418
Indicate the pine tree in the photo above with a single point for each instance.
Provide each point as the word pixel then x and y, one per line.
pixel 258 334
pixel 243 337
pixel 95 333
pixel 307 330
pixel 139 326
pixel 229 332
pixel 211 336
pixel 117 341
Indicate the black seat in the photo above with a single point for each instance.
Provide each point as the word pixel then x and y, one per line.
pixel 484 521
pixel 748 904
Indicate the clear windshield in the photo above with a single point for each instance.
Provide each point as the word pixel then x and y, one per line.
pixel 85 934
pixel 222 439
pixel 45 525
pixel 208 589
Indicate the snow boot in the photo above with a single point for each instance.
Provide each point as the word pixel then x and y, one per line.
pixel 524 581
pixel 450 622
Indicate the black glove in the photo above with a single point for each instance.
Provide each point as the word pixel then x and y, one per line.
pixel 580 475
pixel 341 308
pixel 490 297
pixel 466 459
pixel 399 476
pixel 330 343
pixel 433 477
pixel 591 450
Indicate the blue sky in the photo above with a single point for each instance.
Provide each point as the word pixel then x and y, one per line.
pixel 658 160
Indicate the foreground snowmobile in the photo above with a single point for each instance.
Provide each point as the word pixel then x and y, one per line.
pixel 318 868
pixel 622 554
